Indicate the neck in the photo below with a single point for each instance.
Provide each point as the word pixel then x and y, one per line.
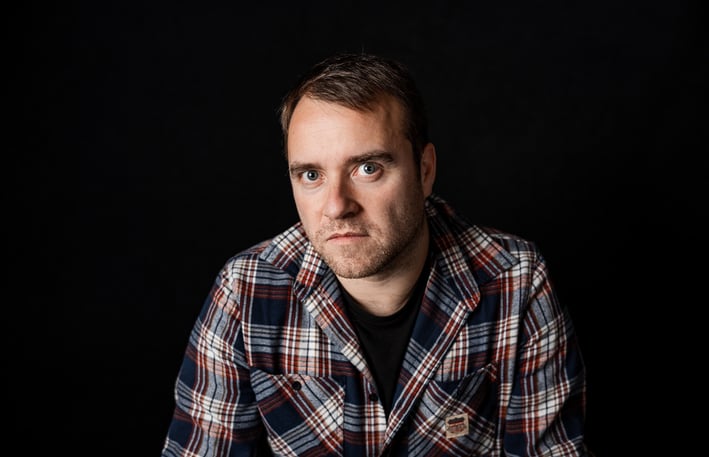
pixel 387 292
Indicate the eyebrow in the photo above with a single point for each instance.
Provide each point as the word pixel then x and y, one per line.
pixel 296 168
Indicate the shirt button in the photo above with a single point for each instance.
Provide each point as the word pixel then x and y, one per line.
pixel 296 385
pixel 373 397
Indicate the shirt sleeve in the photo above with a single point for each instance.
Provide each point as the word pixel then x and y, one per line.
pixel 546 413
pixel 215 408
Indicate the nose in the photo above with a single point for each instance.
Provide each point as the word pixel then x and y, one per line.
pixel 340 200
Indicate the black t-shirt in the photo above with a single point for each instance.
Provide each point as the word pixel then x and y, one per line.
pixel 384 339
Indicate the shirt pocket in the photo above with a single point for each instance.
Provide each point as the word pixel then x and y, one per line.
pixel 458 417
pixel 301 413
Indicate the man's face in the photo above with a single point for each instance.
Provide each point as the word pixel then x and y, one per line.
pixel 357 188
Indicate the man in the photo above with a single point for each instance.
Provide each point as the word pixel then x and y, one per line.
pixel 382 323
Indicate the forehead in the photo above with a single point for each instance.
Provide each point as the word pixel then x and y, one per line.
pixel 319 126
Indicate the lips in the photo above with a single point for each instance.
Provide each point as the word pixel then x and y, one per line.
pixel 342 235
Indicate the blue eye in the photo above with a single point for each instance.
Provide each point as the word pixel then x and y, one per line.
pixel 368 168
pixel 311 175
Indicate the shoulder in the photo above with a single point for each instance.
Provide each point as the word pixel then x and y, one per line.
pixel 454 228
pixel 485 250
pixel 511 242
pixel 270 258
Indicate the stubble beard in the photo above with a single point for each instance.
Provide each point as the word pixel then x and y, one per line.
pixel 379 254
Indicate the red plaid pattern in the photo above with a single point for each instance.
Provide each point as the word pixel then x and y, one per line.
pixel 493 367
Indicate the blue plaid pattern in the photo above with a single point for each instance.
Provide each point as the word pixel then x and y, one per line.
pixel 274 357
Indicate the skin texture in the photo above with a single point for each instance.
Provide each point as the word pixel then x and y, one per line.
pixel 360 196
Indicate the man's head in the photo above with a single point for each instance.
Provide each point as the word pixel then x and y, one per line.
pixel 358 82
pixel 358 187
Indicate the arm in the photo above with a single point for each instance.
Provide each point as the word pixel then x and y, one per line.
pixel 215 408
pixel 546 413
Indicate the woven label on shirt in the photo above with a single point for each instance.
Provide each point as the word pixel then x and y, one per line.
pixel 456 425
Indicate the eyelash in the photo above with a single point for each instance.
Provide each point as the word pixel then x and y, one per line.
pixel 305 175
pixel 359 171
pixel 376 167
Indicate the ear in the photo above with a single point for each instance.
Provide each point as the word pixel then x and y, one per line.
pixel 428 169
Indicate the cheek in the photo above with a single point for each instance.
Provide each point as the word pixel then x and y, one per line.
pixel 299 199
pixel 306 210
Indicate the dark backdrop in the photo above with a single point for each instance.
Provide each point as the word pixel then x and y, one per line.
pixel 145 151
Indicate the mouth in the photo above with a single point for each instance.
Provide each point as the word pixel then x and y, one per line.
pixel 343 236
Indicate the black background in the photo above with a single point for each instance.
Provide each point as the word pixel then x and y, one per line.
pixel 145 150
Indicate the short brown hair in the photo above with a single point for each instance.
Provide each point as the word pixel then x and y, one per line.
pixel 359 81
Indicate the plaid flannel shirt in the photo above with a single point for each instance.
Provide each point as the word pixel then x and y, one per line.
pixel 493 367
